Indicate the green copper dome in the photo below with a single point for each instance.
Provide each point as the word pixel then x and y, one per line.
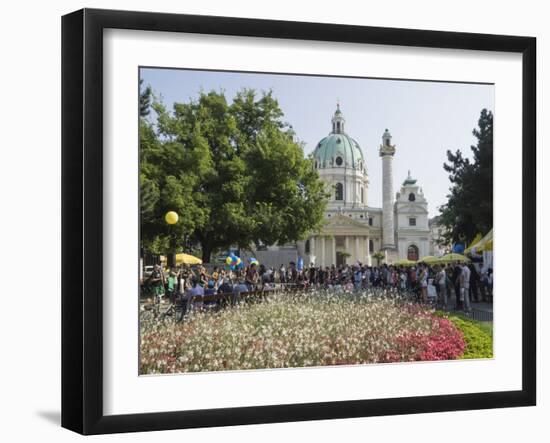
pixel 338 149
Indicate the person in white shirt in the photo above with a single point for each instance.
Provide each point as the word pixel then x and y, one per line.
pixel 465 286
pixel 423 279
pixel 282 274
pixel 441 281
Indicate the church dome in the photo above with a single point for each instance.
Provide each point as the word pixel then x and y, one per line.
pixel 338 149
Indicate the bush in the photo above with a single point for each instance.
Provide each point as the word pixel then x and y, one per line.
pixel 478 336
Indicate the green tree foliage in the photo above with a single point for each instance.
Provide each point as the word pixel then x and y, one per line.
pixel 378 256
pixel 232 171
pixel 469 209
pixel 145 97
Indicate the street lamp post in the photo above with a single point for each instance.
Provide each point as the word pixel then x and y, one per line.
pixel 171 218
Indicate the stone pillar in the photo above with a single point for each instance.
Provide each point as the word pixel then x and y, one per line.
pixel 312 248
pixel 369 261
pixel 333 250
pixel 322 239
pixel 347 249
pixel 387 151
pixel 387 202
pixel 357 258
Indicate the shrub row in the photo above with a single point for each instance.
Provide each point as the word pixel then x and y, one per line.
pixel 477 335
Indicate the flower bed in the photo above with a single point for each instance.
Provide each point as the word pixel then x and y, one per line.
pixel 299 330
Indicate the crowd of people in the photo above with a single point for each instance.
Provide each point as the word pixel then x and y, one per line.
pixel 463 283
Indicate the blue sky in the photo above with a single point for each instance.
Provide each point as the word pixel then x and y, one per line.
pixel 424 118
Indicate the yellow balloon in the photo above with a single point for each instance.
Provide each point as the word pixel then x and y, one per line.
pixel 228 260
pixel 171 217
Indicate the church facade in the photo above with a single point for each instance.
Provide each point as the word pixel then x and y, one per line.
pixel 353 230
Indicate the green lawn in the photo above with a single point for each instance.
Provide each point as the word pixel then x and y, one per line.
pixel 478 335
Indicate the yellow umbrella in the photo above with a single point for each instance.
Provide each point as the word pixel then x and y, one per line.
pixel 404 262
pixel 476 240
pixel 429 260
pixel 485 244
pixel 453 257
pixel 186 259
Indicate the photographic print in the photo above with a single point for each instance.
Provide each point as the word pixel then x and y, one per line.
pixel 306 209
pixel 291 221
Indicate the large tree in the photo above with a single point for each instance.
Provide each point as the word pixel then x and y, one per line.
pixel 145 97
pixel 232 171
pixel 469 209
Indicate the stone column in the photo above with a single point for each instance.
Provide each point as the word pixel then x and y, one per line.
pixel 322 239
pixel 347 248
pixel 312 248
pixel 387 151
pixel 333 250
pixel 367 240
pixel 357 258
pixel 387 202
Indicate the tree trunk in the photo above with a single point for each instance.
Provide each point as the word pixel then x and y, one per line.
pixel 206 253
pixel 171 260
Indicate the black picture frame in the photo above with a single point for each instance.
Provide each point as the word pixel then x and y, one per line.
pixel 82 218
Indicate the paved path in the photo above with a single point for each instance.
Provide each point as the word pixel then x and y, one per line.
pixel 485 310
pixel 483 306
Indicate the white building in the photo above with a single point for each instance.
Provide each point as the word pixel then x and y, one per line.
pixel 354 230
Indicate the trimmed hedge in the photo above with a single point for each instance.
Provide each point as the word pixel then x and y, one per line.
pixel 478 335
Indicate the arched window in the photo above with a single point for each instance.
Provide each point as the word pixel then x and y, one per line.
pixel 362 195
pixel 412 197
pixel 307 247
pixel 339 161
pixel 412 253
pixel 339 191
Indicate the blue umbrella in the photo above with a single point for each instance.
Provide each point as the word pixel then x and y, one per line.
pixel 458 248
